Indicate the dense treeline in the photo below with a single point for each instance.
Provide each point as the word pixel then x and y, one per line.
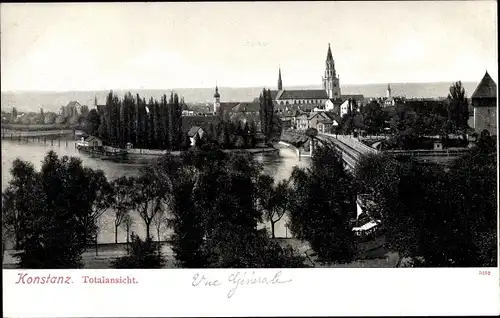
pixel 153 124
pixel 53 213
pixel 410 120
pixel 232 135
pixel 437 217
pixel 214 202
pixel 322 204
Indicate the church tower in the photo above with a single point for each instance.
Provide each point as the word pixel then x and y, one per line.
pixel 280 83
pixel 388 93
pixel 331 80
pixel 216 100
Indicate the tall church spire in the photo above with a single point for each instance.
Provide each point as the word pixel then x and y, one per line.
pixel 330 80
pixel 329 56
pixel 280 83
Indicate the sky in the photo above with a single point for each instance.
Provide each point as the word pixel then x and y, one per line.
pixel 87 46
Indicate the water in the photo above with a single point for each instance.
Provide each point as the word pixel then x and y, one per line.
pixel 279 166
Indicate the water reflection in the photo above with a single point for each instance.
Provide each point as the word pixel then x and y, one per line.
pixel 278 165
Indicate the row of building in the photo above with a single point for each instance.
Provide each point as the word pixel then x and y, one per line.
pixel 300 109
pixel 323 108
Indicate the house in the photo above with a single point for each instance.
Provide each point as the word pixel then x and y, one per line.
pixel 349 105
pixel 323 121
pixel 484 101
pixel 94 142
pixel 291 115
pixel 195 133
pixel 245 112
pixel 187 112
pixel 333 105
pixel 302 121
pixel 73 108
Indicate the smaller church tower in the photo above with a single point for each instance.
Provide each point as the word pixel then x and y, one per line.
pixel 280 83
pixel 388 93
pixel 216 100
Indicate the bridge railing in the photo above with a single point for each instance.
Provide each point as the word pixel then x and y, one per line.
pixel 353 143
pixel 428 153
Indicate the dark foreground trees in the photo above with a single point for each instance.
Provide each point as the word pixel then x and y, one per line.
pixel 215 214
pixel 323 203
pixel 142 254
pixel 54 211
pixel 444 216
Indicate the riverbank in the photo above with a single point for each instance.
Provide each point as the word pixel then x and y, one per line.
pixel 378 257
pixel 135 154
pixel 37 127
pixel 13 134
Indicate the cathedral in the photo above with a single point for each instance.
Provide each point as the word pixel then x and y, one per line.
pixel 328 97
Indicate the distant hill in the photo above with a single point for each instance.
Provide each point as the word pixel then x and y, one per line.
pixel 52 101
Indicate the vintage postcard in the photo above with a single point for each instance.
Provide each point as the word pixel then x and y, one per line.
pixel 249 159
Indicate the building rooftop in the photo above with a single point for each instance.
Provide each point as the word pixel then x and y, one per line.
pixel 302 94
pixel 487 88
pixel 356 97
pixel 193 131
pixel 246 107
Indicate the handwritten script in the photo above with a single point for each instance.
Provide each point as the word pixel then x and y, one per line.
pixel 238 279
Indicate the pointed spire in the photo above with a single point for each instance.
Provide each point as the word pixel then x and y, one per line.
pixel 280 82
pixel 329 56
pixel 216 95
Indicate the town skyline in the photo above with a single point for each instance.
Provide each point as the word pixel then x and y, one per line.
pixel 73 47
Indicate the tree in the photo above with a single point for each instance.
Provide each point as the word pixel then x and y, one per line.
pixel 56 205
pixel 273 200
pixel 123 188
pixel 266 114
pixel 445 217
pixel 42 115
pixel 12 217
pixel 127 223
pixel 101 199
pixel 373 117
pixel 92 123
pixel 458 106
pixel 14 114
pixel 142 255
pixel 214 215
pixel 187 222
pixel 149 196
pixel 324 202
pixel 159 221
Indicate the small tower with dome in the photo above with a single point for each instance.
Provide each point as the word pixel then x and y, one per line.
pixel 216 100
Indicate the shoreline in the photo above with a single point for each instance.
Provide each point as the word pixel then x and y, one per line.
pixel 37 127
pixel 153 153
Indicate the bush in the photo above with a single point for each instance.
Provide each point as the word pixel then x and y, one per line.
pixel 143 254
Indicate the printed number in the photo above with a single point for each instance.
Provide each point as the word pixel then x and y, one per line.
pixel 484 273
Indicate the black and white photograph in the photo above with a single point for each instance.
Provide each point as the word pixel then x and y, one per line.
pixel 249 135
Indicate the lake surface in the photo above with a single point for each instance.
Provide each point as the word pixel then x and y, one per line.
pixel 278 165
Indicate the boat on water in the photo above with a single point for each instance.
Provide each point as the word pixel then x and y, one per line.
pixel 115 156
pixel 104 153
